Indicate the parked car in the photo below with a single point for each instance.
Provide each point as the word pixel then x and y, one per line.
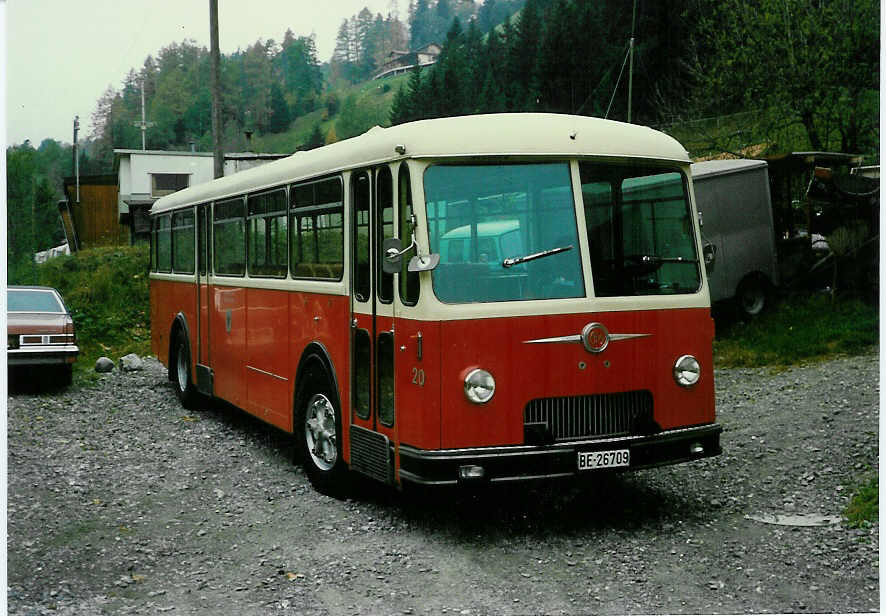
pixel 737 227
pixel 40 333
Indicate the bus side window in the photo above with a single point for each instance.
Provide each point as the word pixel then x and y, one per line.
pixel 266 234
pixel 360 203
pixel 229 237
pixel 153 266
pixel 384 191
pixel 183 242
pixel 317 229
pixel 164 243
pixel 409 287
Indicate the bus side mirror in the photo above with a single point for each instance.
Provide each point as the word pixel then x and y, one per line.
pixel 709 252
pixel 392 255
pixel 423 263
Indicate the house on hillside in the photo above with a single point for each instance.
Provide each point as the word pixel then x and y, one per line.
pixel 112 210
pixel 403 61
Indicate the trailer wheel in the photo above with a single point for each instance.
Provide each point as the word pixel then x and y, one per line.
pixel 752 297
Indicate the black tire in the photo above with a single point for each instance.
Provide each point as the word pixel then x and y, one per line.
pixel 752 297
pixel 318 431
pixel 65 375
pixel 180 371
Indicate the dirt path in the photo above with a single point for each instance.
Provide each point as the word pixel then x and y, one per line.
pixel 122 502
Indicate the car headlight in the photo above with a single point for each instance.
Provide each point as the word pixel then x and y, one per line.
pixel 686 371
pixel 479 386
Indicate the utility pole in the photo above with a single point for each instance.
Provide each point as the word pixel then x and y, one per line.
pixel 631 63
pixel 77 156
pixel 218 154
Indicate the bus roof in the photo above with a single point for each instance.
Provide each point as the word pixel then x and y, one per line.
pixel 506 134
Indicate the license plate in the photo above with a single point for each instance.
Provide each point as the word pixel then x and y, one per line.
pixel 589 460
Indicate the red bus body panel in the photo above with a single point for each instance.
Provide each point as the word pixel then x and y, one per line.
pixel 525 371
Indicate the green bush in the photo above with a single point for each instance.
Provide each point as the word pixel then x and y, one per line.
pixel 106 290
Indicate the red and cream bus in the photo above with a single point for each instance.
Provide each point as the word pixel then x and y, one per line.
pixel 474 299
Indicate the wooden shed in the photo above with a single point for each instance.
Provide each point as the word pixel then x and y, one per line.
pixel 93 220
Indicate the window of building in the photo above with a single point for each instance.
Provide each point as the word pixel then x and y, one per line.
pixel 168 183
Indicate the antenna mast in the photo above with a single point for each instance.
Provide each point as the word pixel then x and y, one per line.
pixel 631 63
pixel 143 125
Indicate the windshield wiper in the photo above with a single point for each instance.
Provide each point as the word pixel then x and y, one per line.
pixel 646 264
pixel 512 261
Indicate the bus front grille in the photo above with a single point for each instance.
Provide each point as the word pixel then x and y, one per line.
pixel 599 415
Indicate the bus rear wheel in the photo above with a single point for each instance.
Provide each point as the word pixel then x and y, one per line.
pixel 318 438
pixel 180 371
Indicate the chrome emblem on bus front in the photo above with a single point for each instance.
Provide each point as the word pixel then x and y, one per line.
pixel 594 336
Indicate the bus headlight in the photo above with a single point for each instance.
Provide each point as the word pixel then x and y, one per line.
pixel 479 386
pixel 686 371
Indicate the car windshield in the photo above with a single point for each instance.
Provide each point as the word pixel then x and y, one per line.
pixel 640 230
pixel 33 300
pixel 503 232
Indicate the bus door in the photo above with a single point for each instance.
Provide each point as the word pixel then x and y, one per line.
pixel 373 426
pixel 204 297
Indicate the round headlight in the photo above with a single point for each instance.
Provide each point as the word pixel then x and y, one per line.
pixel 479 386
pixel 686 371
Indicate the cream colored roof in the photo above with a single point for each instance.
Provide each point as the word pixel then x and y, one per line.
pixel 510 134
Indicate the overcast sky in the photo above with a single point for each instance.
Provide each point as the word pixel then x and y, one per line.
pixel 61 55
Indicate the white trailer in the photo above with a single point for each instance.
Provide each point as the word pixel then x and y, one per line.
pixel 736 212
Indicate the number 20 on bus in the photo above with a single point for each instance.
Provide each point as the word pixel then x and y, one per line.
pixel 465 300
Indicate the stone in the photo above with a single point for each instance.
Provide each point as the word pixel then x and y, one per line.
pixel 131 363
pixel 104 364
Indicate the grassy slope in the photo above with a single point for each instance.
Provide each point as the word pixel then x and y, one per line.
pixel 801 328
pixel 106 290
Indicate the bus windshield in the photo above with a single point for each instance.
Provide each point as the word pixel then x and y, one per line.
pixel 640 230
pixel 503 232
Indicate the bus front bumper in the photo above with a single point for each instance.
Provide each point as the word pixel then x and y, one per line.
pixel 559 460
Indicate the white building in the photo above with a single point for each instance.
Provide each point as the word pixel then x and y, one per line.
pixel 146 175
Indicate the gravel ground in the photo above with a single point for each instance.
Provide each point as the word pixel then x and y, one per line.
pixel 122 502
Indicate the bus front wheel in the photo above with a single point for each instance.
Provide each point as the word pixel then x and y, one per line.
pixel 318 436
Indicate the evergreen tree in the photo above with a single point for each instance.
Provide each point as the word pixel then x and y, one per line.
pixel 316 138
pixel 279 120
pixel 421 24
pixel 400 107
pixel 486 15
pixel 454 74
